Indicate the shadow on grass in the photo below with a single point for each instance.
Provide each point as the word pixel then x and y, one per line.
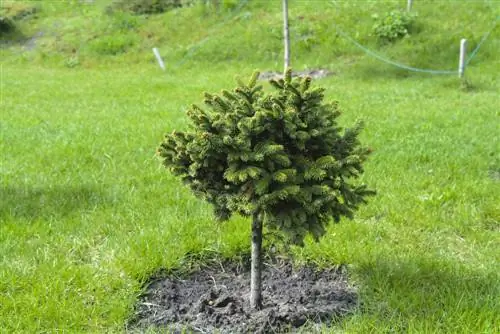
pixel 439 292
pixel 35 203
pixel 375 72
pixel 12 37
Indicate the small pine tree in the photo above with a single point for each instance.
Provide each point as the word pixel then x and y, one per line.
pixel 280 158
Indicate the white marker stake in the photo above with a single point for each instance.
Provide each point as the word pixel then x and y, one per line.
pixel 286 35
pixel 409 5
pixel 158 57
pixel 461 64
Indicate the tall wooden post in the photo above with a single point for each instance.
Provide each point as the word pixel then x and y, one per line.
pixel 286 35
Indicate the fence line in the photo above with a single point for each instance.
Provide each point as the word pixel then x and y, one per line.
pixel 368 51
pixel 198 44
pixel 388 61
pixel 485 37
pixel 410 68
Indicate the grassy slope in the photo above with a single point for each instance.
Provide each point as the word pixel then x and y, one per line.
pixel 87 213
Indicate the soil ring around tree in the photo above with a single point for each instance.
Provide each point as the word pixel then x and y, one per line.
pixel 313 73
pixel 215 299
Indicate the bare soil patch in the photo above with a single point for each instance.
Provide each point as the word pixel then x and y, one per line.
pixel 216 299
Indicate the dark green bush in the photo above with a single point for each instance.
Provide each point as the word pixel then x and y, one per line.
pixel 280 155
pixel 10 13
pixel 139 7
pixel 6 25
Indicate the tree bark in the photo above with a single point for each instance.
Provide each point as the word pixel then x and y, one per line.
pixel 286 35
pixel 256 270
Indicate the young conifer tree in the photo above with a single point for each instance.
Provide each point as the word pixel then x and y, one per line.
pixel 279 158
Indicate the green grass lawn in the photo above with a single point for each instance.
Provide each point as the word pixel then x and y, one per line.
pixel 87 213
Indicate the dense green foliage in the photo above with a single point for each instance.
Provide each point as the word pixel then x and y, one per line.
pixel 10 12
pixel 282 156
pixel 393 26
pixel 146 6
pixel 18 10
pixel 6 25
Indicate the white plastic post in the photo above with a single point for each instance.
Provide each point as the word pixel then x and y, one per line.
pixel 408 7
pixel 463 51
pixel 158 57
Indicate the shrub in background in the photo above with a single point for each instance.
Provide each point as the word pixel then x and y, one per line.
pixel 280 158
pixel 17 10
pixel 10 12
pixel 6 26
pixel 111 45
pixel 393 26
pixel 139 7
pixel 72 62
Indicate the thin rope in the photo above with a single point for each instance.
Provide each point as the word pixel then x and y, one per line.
pixel 485 37
pixel 391 62
pixel 406 67
pixel 368 51
pixel 198 44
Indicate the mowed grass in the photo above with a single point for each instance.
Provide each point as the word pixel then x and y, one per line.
pixel 87 213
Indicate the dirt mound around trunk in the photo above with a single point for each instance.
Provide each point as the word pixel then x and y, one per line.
pixel 216 299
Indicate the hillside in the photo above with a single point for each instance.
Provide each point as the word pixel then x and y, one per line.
pixel 91 33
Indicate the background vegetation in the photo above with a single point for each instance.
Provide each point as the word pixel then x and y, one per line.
pixel 87 213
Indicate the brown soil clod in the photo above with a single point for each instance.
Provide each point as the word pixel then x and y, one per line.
pixel 217 301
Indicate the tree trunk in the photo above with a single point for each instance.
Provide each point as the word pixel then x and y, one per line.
pixel 256 272
pixel 286 35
